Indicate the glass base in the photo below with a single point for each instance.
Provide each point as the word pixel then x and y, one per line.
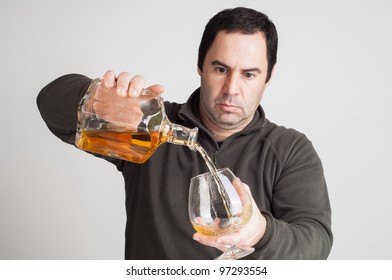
pixel 235 253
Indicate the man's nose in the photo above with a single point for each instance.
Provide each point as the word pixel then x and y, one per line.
pixel 232 84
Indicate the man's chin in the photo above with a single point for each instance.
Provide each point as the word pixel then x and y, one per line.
pixel 229 122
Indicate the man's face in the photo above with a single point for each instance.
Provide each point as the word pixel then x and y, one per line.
pixel 232 81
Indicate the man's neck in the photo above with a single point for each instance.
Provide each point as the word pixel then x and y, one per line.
pixel 220 134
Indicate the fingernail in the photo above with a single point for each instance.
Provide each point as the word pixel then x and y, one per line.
pixel 133 92
pixel 121 91
pixel 109 84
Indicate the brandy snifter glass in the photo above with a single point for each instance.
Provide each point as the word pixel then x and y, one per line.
pixel 218 205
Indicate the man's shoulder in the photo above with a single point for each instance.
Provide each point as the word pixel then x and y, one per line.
pixel 282 138
pixel 276 131
pixel 172 109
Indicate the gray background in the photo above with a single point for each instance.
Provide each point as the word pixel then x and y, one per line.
pixel 331 83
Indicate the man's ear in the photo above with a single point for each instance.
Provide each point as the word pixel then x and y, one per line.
pixel 272 74
pixel 199 71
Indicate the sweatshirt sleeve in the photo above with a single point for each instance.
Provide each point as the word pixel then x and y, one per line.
pixel 299 224
pixel 58 104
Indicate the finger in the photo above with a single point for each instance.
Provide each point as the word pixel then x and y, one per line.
pixel 156 89
pixel 245 185
pixel 243 192
pixel 123 81
pixel 136 85
pixel 151 92
pixel 230 239
pixel 209 241
pixel 109 79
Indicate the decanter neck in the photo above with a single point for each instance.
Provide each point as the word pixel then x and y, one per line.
pixel 181 135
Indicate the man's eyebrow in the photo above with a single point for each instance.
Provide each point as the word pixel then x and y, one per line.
pixel 220 63
pixel 255 69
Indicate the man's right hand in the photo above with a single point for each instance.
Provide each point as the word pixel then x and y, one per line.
pixel 125 84
pixel 115 99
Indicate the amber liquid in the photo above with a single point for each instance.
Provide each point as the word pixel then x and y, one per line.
pixel 139 146
pixel 225 225
pixel 132 146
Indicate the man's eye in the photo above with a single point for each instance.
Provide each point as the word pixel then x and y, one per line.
pixel 248 75
pixel 221 70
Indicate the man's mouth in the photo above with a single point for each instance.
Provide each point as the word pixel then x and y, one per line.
pixel 227 107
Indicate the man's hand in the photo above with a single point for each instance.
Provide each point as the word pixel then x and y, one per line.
pixel 126 85
pixel 249 235
pixel 117 99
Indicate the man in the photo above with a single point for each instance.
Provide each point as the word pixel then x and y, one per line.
pixel 291 211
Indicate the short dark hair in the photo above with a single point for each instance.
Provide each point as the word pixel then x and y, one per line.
pixel 243 20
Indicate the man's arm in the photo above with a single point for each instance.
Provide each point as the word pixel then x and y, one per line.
pixel 299 224
pixel 58 104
